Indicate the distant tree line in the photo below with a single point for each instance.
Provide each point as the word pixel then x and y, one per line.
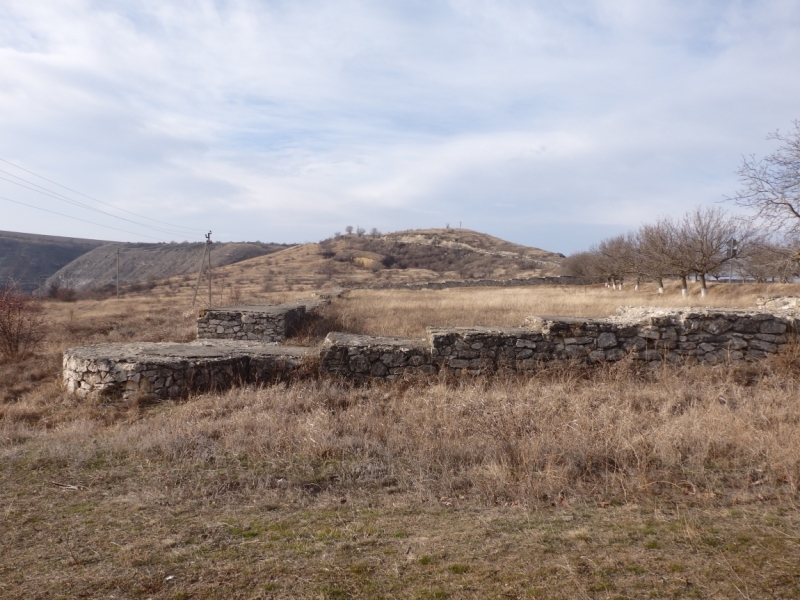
pixel 706 242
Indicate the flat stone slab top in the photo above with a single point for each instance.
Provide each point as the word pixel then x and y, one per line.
pixel 167 370
pixel 372 341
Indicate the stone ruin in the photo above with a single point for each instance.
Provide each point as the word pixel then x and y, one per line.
pixel 238 345
pixel 710 336
pixel 264 322
pixel 154 370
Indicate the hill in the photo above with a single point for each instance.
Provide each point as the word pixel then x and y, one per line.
pixel 27 257
pixel 393 259
pixel 149 262
pixel 455 253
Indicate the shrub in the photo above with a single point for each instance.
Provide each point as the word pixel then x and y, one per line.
pixel 21 323
pixel 66 294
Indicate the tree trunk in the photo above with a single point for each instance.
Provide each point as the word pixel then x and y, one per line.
pixel 703 288
pixel 684 285
pixel 660 285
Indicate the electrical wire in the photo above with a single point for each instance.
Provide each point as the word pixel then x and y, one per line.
pixel 68 200
pixel 91 198
pixel 83 220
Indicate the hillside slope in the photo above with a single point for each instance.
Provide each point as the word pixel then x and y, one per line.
pixel 393 259
pixel 27 257
pixel 148 262
pixel 454 253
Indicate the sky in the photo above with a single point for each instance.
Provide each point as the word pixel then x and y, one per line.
pixel 550 124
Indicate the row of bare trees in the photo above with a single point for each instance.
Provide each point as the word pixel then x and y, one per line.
pixel 706 242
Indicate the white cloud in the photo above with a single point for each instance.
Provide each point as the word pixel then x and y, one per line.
pixel 287 121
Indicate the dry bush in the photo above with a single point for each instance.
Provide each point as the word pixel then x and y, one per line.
pixel 21 323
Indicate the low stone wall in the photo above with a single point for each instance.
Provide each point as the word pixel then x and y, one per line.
pixel 258 322
pixel 709 336
pixel 362 356
pixel 468 283
pixel 167 370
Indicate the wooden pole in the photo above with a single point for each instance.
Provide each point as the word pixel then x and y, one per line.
pixel 199 274
pixel 117 273
pixel 208 242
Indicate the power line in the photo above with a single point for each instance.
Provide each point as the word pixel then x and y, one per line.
pixel 94 199
pixel 63 198
pixel 83 220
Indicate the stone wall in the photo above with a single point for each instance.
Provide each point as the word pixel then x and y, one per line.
pixel 468 283
pixel 362 356
pixel 709 336
pixel 167 370
pixel 259 322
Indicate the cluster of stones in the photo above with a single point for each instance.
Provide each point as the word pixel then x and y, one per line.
pixel 263 323
pixel 167 370
pixel 649 335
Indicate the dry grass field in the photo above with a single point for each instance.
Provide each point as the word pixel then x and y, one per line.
pixel 610 483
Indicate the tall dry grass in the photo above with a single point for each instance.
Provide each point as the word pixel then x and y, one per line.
pixel 408 313
pixel 610 432
pixel 568 435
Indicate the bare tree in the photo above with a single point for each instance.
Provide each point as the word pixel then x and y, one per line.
pixel 706 234
pixel 767 260
pixel 667 249
pixel 622 259
pixel 581 264
pixel 655 247
pixel 771 185
pixel 349 229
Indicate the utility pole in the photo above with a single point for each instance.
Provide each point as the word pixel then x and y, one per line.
pixel 733 251
pixel 208 243
pixel 206 248
pixel 117 273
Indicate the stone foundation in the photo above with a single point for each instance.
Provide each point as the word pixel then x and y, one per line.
pixel 164 370
pixel 651 335
pixel 259 322
pixel 167 370
pixel 363 356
